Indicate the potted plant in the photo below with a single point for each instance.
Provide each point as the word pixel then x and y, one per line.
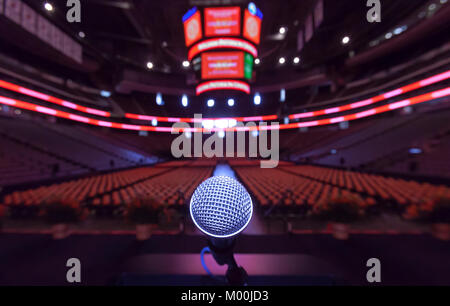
pixel 3 214
pixel 144 213
pixel 169 217
pixel 339 212
pixel 435 211
pixel 59 213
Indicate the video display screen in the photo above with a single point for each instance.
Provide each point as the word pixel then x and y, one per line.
pixel 232 65
pixel 252 27
pixel 216 65
pixel 223 21
pixel 192 27
pixel 248 66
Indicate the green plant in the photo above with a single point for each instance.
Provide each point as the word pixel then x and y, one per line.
pixel 3 212
pixel 58 211
pixel 342 209
pixel 435 210
pixel 143 211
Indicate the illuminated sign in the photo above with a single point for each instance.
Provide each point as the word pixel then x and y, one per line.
pixel 347 107
pixel 224 21
pixel 219 65
pixel 252 27
pixel 248 66
pixel 235 85
pixel 192 26
pixel 223 85
pixel 222 43
pixel 233 27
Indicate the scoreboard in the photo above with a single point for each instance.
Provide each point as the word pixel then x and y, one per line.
pixel 224 21
pixel 192 27
pixel 222 45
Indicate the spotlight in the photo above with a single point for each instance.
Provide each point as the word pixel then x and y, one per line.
pixel 150 65
pixel 255 133
pixel 282 60
pixel 398 31
pixel 252 8
pixel 283 30
pixel 257 99
pixel 221 123
pixel 345 40
pixel 257 61
pixel 154 122
pixel 208 124
pixel 48 6
pixel 159 99
pixel 296 60
pixel 283 95
pixel 221 134
pixel 184 101
pixel 105 93
pixel 388 35
pixel 188 135
pixel 211 103
pixel 81 34
pixel 230 102
pixel 415 151
pixel 186 64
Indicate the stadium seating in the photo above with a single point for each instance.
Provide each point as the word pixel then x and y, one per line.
pixel 387 135
pixel 46 151
pixel 384 188
pixel 172 188
pixel 22 163
pixel 81 189
pixel 431 161
pixel 167 183
pixel 274 187
pixel 298 187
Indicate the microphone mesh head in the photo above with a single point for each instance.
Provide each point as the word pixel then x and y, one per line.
pixel 221 207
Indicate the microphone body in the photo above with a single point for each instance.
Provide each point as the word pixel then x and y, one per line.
pixel 222 208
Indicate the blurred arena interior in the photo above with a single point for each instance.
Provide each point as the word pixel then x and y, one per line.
pixel 86 111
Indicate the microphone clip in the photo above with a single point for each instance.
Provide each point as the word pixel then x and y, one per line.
pixel 223 254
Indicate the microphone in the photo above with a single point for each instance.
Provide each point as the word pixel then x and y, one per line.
pixel 222 208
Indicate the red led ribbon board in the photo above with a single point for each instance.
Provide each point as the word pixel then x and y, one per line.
pixel 222 43
pixel 223 85
pixel 219 65
pixel 228 84
pixel 252 27
pixel 193 29
pixel 224 21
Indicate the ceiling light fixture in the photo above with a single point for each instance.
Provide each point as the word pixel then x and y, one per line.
pixel 48 6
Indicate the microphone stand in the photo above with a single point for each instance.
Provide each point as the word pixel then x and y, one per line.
pixel 222 251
